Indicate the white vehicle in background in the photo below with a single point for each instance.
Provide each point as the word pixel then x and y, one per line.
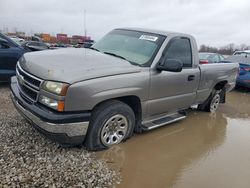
pixel 18 40
pixel 242 53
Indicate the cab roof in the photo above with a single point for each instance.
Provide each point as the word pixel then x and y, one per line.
pixel 153 31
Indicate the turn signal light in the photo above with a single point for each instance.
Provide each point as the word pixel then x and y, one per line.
pixel 60 106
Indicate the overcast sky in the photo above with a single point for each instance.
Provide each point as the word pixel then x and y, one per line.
pixel 212 22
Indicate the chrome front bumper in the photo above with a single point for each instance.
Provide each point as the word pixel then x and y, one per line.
pixel 66 128
pixel 71 129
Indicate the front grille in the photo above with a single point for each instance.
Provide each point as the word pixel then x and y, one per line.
pixel 35 82
pixel 28 84
pixel 29 92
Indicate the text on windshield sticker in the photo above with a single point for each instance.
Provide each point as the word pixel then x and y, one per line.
pixel 148 37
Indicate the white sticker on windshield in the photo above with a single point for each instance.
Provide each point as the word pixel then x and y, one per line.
pixel 148 37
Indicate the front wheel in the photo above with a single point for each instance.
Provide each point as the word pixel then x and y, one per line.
pixel 112 123
pixel 114 130
pixel 212 103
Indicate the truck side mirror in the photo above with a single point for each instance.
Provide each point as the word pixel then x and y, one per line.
pixel 172 65
pixel 4 43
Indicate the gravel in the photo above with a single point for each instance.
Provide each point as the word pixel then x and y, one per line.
pixel 28 159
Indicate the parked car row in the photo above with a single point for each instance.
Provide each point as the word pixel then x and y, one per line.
pixel 18 40
pixel 11 49
pixel 35 46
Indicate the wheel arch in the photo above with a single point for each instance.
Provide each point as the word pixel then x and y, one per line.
pixel 221 86
pixel 133 102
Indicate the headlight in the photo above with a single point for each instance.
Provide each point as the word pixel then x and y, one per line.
pixel 52 103
pixel 55 87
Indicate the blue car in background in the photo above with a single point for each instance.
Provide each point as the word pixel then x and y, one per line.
pixel 10 52
pixel 243 58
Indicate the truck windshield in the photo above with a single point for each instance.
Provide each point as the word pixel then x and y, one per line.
pixel 137 47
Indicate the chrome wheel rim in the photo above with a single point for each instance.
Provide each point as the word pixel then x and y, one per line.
pixel 215 103
pixel 114 130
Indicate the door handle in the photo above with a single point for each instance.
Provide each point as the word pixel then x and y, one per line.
pixel 191 77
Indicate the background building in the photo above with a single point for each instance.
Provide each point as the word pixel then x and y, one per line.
pixel 62 38
pixel 45 37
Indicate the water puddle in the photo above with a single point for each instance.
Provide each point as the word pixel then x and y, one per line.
pixel 203 150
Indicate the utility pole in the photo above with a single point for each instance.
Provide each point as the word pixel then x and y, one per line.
pixel 85 28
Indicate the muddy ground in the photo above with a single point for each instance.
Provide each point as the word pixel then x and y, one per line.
pixel 204 150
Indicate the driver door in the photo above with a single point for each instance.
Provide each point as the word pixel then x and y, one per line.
pixel 172 91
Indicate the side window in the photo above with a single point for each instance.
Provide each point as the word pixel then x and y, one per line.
pixel 216 58
pixel 180 49
pixel 221 58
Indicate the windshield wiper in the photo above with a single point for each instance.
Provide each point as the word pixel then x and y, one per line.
pixel 92 48
pixel 113 54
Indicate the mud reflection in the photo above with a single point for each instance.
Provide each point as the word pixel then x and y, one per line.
pixel 168 156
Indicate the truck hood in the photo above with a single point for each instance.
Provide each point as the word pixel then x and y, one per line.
pixel 72 65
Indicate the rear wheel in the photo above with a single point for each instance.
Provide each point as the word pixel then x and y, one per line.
pixel 112 123
pixel 212 103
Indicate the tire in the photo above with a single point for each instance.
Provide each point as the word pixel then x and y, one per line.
pixel 112 122
pixel 212 103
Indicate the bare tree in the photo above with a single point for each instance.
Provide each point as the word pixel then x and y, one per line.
pixel 228 49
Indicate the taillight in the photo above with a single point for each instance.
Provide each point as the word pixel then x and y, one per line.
pixel 246 68
pixel 203 62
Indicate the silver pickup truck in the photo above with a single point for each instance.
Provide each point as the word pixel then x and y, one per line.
pixel 132 80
